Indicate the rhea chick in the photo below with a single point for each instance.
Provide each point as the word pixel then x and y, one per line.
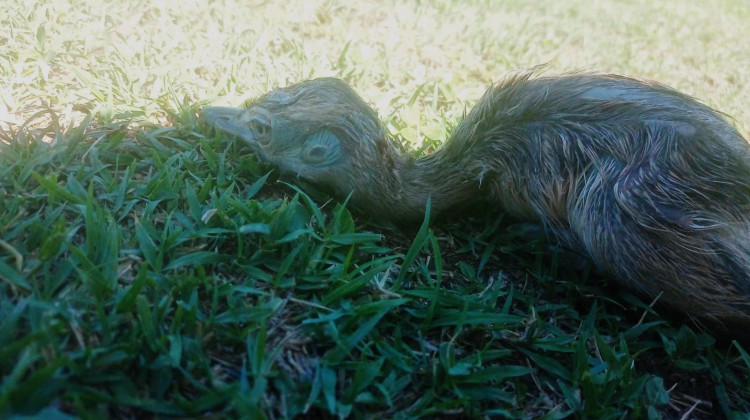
pixel 652 185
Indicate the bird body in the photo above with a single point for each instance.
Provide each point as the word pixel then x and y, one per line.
pixel 649 183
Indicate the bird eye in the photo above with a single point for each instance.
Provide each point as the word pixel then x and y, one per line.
pixel 315 154
pixel 321 148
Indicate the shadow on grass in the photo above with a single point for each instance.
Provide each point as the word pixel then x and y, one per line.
pixel 162 271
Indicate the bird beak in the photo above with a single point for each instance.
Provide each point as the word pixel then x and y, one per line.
pixel 230 120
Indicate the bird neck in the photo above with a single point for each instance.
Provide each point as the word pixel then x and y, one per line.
pixel 405 185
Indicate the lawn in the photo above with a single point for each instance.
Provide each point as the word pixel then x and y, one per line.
pixel 151 267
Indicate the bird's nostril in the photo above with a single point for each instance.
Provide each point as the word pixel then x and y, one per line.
pixel 261 129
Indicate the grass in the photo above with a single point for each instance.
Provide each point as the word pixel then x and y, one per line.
pixel 150 267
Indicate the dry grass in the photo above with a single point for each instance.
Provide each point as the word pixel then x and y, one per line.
pixel 115 57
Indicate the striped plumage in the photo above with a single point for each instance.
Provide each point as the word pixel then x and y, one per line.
pixel 651 184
